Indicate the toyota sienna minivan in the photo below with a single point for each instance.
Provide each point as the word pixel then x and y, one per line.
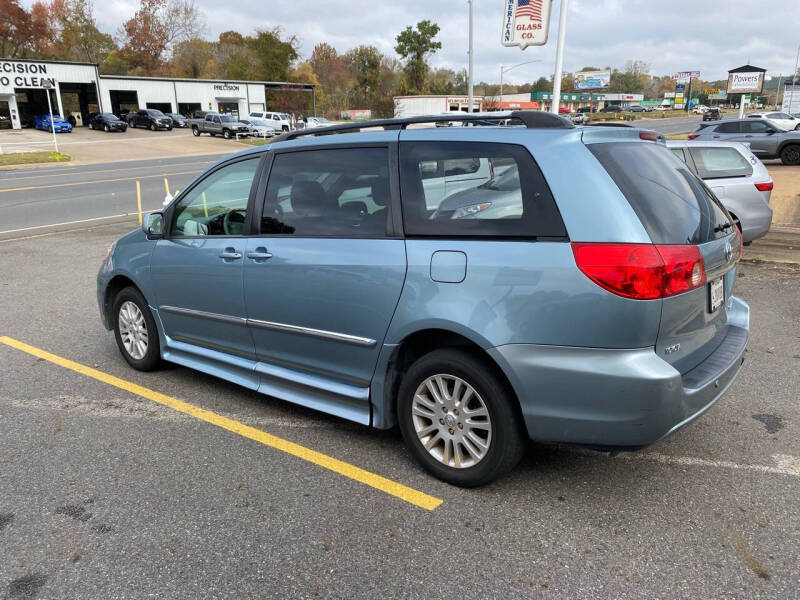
pixel 582 292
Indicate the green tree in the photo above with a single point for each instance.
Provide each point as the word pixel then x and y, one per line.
pixel 415 46
pixel 543 84
pixel 193 59
pixel 272 55
pixel 364 63
pixel 76 36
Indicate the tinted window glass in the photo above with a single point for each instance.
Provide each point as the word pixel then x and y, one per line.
pixel 474 189
pixel 218 204
pixel 757 127
pixel 673 205
pixel 337 192
pixel 728 127
pixel 716 163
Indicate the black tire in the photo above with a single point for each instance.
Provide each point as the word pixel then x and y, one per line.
pixel 133 124
pixel 285 128
pixel 105 128
pixel 152 357
pixel 790 155
pixel 195 131
pixel 226 134
pixel 153 127
pixel 507 442
pixel 91 126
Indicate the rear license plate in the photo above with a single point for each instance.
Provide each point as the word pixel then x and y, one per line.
pixel 717 293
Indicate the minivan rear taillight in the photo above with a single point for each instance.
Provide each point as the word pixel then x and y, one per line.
pixel 641 271
pixel 765 186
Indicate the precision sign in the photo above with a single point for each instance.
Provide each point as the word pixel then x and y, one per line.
pixel 526 22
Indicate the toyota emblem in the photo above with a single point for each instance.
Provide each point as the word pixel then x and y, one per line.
pixel 728 251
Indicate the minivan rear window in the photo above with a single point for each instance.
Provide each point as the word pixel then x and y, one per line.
pixel 673 205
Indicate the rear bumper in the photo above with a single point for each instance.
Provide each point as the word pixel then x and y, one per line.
pixel 618 398
pixel 756 223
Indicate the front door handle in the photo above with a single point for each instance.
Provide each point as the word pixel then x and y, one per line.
pixel 259 253
pixel 230 254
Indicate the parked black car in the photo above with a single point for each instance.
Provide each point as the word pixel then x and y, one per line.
pixel 178 120
pixel 107 122
pixel 150 117
pixel 712 114
pixel 611 108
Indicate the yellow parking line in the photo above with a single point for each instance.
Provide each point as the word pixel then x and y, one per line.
pixel 55 185
pixel 388 486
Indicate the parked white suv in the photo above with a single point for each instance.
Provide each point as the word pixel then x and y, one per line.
pixel 782 119
pixel 278 120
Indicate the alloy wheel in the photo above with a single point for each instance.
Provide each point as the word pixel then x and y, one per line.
pixel 451 421
pixel 133 330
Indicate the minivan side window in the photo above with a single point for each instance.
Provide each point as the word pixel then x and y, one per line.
pixel 342 192
pixel 475 189
pixel 218 204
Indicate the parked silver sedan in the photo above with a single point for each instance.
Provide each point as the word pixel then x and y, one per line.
pixel 736 176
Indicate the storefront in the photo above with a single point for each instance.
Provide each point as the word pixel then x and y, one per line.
pixel 78 89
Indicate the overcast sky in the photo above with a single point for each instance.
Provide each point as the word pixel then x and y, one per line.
pixel 677 35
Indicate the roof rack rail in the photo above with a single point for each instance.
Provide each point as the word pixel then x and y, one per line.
pixel 532 119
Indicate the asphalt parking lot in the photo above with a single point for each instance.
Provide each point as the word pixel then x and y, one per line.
pixel 190 487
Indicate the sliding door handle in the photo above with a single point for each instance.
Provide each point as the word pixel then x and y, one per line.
pixel 259 253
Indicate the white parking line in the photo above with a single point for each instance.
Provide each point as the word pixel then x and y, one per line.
pixel 785 464
pixel 68 223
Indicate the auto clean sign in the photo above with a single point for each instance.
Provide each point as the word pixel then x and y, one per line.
pixel 526 22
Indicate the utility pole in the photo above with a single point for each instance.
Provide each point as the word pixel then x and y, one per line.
pixel 562 34
pixel 470 94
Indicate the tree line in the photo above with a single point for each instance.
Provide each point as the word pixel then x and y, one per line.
pixel 168 38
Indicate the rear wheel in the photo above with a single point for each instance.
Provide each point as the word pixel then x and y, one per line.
pixel 91 126
pixel 458 419
pixel 790 155
pixel 135 330
pixel 195 131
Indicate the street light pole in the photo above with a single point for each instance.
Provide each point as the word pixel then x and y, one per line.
pixel 47 87
pixel 505 69
pixel 471 61
pixel 562 34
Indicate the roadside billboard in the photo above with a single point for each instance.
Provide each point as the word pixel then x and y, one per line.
pixel 526 22
pixel 592 80
pixel 686 75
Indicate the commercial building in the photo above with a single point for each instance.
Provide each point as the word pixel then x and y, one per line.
pixel 575 100
pixel 77 89
pixel 414 106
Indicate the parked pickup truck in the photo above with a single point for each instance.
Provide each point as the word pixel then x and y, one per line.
pixel 224 125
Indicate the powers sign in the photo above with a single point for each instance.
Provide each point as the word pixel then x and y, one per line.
pixel 746 80
pixel 526 22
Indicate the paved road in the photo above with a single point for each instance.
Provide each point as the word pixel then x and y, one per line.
pixel 105 494
pixel 31 198
pixel 671 126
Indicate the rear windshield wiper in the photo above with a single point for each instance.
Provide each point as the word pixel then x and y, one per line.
pixel 722 227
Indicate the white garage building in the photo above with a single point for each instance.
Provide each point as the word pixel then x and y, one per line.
pixel 78 89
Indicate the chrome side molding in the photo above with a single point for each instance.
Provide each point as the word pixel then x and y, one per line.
pixel 283 327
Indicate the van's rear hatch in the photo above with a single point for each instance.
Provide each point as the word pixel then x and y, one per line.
pixel 678 210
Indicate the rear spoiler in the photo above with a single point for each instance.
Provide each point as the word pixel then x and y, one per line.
pixel 617 131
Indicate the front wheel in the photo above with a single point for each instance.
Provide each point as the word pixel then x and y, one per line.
pixel 790 155
pixel 226 134
pixel 135 330
pixel 153 127
pixel 105 128
pixel 458 419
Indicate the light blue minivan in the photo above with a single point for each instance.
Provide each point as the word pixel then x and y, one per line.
pixel 474 285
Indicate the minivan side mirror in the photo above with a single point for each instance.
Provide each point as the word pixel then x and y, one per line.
pixel 153 225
